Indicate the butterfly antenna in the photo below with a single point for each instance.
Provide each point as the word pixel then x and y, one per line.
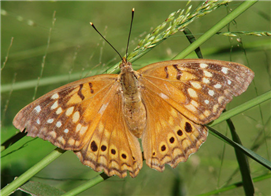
pixel 105 39
pixel 133 10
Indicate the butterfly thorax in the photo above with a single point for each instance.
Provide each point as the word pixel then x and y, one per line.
pixel 133 107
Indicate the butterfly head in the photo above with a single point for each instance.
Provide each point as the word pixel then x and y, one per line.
pixel 125 65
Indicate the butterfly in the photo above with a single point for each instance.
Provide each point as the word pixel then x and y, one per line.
pixel 165 104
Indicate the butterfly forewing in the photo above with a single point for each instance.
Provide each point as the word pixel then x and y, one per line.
pixel 200 89
pixel 64 115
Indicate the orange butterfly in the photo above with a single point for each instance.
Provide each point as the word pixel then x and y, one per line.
pixel 166 104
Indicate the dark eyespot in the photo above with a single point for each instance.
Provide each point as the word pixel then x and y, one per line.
pixel 163 148
pixel 103 148
pixel 171 140
pixel 188 127
pixel 94 146
pixel 113 151
pixel 153 153
pixel 123 156
pixel 179 132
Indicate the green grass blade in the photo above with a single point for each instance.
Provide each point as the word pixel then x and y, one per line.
pixel 242 162
pixel 191 38
pixel 38 188
pixel 235 13
pixel 235 185
pixel 247 151
pixel 7 190
pixel 96 180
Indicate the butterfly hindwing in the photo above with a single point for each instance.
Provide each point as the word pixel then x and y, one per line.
pixel 112 146
pixel 200 89
pixel 169 137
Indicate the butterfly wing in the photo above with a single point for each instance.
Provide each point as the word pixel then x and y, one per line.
pixel 199 89
pixel 112 147
pixel 64 115
pixel 180 96
pixel 169 137
pixel 86 116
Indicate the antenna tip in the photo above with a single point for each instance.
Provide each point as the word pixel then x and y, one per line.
pixel 133 9
pixel 91 23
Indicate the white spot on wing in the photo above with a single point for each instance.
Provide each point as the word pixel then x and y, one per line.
pixel 66 130
pixel 220 99
pixel 61 140
pixel 55 96
pixel 50 120
pixel 192 92
pixel 75 117
pixel 38 121
pixel 78 127
pixel 229 82
pixel 191 107
pixel 71 141
pixel 54 106
pixel 217 86
pixel 37 108
pixel 215 108
pixel 163 96
pixel 69 111
pixel 52 134
pixel 203 65
pixel 102 109
pixel 194 103
pixel 207 73
pixel 224 70
pixel 196 85
pixel 207 113
pixel 211 92
pixel 206 101
pixel 83 130
pixel 58 124
pixel 59 110
pixel 205 80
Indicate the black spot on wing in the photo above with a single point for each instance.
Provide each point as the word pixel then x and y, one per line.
pixel 80 94
pixel 90 87
pixel 93 146
pixel 179 72
pixel 188 127
pixel 166 71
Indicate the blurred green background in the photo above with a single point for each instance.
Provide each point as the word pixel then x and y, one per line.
pixel 76 48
